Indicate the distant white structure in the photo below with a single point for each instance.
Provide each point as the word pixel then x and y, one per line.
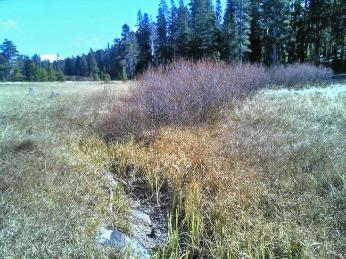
pixel 51 57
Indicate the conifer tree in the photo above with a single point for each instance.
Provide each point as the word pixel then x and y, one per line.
pixel 218 13
pixel 162 48
pixel 319 21
pixel 243 20
pixel 144 40
pixel 129 51
pixel 93 70
pixel 255 32
pixel 19 69
pixel 181 37
pixel 203 27
pixel 83 66
pixel 275 19
pixel 172 30
pixel 298 32
pixel 8 58
pixel 230 33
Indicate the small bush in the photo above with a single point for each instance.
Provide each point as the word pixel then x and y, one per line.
pixel 185 93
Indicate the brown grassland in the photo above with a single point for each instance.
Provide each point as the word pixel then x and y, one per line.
pixel 260 176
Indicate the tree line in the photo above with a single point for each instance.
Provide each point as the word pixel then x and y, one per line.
pixel 263 31
pixel 16 67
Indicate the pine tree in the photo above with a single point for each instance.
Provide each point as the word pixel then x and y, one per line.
pixel 9 55
pixel 70 66
pixel 81 66
pixel 182 34
pixel 51 74
pixel 218 13
pixel 255 32
pixel 93 70
pixel 3 68
pixel 162 49
pixel 209 42
pixel 19 69
pixel 33 72
pixel 319 21
pixel 298 32
pixel 129 50
pixel 219 44
pixel 173 29
pixel 144 40
pixel 337 50
pixel 275 19
pixel 139 18
pixel 230 33
pixel 203 27
pixel 243 20
pixel 77 66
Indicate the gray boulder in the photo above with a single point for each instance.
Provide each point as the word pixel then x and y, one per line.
pixel 126 245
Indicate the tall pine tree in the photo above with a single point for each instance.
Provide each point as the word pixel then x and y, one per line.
pixel 243 20
pixel 8 58
pixel 144 40
pixel 218 13
pixel 129 50
pixel 230 33
pixel 93 69
pixel 275 19
pixel 162 54
pixel 203 27
pixel 255 32
pixel 181 37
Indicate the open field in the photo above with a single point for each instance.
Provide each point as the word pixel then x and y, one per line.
pixel 266 181
pixel 51 199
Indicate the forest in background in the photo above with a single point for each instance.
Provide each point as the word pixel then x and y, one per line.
pixel 256 31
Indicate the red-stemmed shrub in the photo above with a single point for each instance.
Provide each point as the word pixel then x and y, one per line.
pixel 185 93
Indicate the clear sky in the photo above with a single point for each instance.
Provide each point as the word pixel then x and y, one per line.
pixel 68 27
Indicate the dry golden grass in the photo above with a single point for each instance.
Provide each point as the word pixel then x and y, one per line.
pixel 52 198
pixel 269 182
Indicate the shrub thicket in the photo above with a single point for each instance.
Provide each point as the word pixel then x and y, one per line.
pixel 185 93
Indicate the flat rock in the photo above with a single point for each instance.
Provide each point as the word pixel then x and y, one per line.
pixel 122 242
pixel 111 182
pixel 141 216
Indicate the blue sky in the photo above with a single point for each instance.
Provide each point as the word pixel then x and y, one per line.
pixel 67 27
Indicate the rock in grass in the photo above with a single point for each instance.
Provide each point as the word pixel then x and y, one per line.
pixel 54 94
pixel 111 182
pixel 125 244
pixel 32 91
pixel 141 216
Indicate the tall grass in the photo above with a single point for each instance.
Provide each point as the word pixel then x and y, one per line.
pixel 267 182
pixel 249 172
pixel 52 196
